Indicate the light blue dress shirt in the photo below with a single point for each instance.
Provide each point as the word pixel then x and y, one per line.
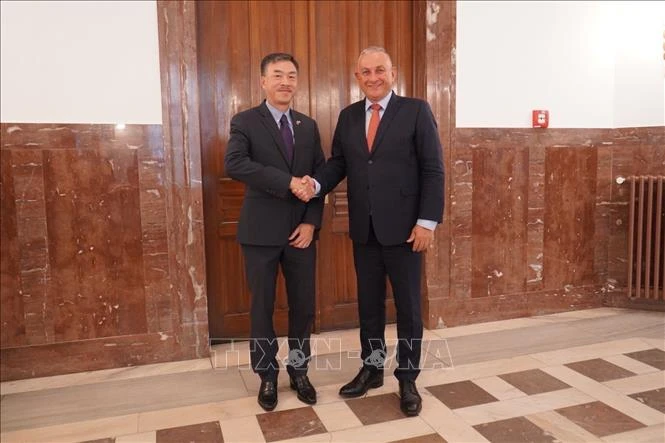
pixel 277 115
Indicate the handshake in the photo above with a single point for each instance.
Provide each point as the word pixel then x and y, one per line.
pixel 303 187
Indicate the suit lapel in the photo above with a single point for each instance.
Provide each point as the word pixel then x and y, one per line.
pixel 269 122
pixel 298 134
pixel 358 122
pixel 390 112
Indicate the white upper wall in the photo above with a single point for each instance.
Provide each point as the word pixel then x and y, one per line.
pixel 591 64
pixel 639 96
pixel 79 62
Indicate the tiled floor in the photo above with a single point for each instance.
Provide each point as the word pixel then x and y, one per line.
pixel 582 376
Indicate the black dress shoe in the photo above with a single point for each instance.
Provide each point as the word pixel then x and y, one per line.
pixel 268 395
pixel 305 390
pixel 410 402
pixel 365 380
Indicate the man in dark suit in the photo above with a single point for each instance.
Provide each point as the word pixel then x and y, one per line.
pixel 271 146
pixel 388 148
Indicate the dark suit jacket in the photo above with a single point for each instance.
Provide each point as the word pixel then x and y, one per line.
pixel 255 156
pixel 400 181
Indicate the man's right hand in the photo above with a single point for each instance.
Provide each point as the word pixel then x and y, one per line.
pixel 303 187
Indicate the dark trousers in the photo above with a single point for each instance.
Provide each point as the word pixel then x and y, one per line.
pixel 298 267
pixel 373 262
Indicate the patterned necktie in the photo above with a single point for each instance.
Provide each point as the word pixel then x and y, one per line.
pixel 373 125
pixel 287 136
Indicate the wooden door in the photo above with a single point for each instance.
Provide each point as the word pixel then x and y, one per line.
pixel 326 38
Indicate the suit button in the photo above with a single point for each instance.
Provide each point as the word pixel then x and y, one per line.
pixel 370 162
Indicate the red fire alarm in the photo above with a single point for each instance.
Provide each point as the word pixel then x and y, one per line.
pixel 540 118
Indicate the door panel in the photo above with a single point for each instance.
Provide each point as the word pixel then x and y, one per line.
pixel 325 37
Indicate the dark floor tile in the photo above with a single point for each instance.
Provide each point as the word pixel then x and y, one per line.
pixel 513 430
pixel 200 433
pixel 292 423
pixel 376 409
pixel 429 438
pixel 461 394
pixel 654 399
pixel 654 357
pixel 600 370
pixel 599 418
pixel 534 381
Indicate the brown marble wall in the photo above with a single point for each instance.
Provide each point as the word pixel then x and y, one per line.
pixel 539 223
pixel 87 258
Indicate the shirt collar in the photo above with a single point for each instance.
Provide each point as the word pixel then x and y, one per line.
pixel 277 114
pixel 383 102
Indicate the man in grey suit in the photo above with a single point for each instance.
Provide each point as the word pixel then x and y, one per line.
pixel 388 148
pixel 271 146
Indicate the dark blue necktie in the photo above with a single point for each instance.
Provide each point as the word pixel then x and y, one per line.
pixel 287 136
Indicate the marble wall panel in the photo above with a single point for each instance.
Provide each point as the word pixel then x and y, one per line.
pixel 86 262
pixel 570 200
pixel 96 286
pixel 12 326
pixel 499 223
pixel 27 169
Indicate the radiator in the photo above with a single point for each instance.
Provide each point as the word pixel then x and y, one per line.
pixel 646 237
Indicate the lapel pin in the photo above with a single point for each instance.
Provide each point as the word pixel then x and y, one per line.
pixel 297 122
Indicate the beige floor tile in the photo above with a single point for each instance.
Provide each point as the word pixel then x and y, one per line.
pixel 337 416
pixel 316 438
pixel 289 400
pixel 587 352
pixel 76 432
pixel 184 416
pixel 516 407
pixel 167 418
pixel 651 434
pixel 81 378
pixel 494 326
pixel 561 428
pixel 228 355
pixel 586 314
pixel 499 388
pixel 118 397
pixel 477 370
pixel 633 322
pixel 384 432
pixel 510 343
pixel 446 422
pixel 598 391
pixel 638 383
pixel 327 394
pixel 630 364
pixel 143 437
pixel 242 429
pixel 654 342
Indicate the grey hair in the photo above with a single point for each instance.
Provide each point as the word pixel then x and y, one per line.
pixel 372 50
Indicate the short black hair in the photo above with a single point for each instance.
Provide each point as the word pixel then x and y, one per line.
pixel 277 57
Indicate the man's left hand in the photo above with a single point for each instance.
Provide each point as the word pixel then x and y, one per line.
pixel 421 238
pixel 302 236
